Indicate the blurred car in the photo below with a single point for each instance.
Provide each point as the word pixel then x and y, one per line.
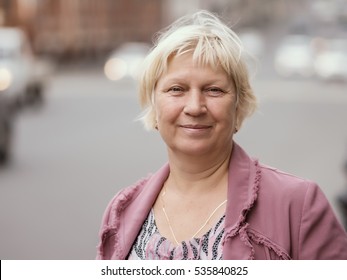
pixel 21 75
pixel 254 45
pixel 295 56
pixel 331 62
pixel 253 42
pixel 5 130
pixel 124 62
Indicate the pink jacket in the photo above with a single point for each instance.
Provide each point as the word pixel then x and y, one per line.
pixel 269 215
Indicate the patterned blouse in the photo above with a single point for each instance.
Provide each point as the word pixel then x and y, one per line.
pixel 150 245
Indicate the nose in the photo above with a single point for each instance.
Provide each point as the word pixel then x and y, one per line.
pixel 195 103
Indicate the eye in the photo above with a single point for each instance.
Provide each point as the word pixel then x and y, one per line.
pixel 175 90
pixel 215 91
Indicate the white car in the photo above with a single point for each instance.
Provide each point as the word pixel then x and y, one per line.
pixel 331 63
pixel 21 76
pixel 124 62
pixel 295 57
pixel 253 42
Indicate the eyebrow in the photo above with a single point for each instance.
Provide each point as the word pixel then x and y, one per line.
pixel 170 80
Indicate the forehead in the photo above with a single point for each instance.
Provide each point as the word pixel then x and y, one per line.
pixel 186 65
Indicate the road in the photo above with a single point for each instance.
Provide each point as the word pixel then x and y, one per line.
pixel 73 154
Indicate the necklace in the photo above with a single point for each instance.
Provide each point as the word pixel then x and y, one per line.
pixel 200 229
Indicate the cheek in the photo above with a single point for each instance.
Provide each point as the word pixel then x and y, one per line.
pixel 166 109
pixel 229 119
pixel 160 110
pixel 224 111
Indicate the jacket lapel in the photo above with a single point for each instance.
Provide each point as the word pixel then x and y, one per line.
pixel 138 210
pixel 243 184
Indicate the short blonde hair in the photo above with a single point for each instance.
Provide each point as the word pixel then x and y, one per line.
pixel 212 43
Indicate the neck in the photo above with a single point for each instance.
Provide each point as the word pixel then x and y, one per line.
pixel 191 174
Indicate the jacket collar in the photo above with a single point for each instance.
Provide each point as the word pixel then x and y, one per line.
pixel 243 181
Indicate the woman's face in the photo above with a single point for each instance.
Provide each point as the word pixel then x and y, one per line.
pixel 195 107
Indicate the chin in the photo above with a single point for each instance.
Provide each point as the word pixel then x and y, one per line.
pixel 194 150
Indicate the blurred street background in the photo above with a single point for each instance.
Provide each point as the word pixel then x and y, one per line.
pixel 70 139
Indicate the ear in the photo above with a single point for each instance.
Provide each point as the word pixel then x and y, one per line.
pixel 155 120
pixel 237 122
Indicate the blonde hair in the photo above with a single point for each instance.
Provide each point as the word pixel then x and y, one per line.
pixel 212 43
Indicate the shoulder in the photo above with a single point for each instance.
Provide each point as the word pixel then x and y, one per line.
pixel 280 181
pixel 283 195
pixel 301 220
pixel 287 193
pixel 144 191
pixel 131 191
pixel 120 201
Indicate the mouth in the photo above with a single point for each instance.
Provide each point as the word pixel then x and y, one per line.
pixel 196 126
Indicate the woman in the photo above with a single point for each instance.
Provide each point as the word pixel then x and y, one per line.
pixel 212 201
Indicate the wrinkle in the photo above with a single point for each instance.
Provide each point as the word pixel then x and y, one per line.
pixel 105 238
pixel 245 238
pixel 280 252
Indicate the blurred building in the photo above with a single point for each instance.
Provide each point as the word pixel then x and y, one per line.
pixel 69 29
pixel 82 28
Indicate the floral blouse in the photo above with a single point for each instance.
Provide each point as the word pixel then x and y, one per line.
pixel 150 245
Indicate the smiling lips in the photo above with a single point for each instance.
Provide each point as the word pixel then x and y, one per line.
pixel 196 128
